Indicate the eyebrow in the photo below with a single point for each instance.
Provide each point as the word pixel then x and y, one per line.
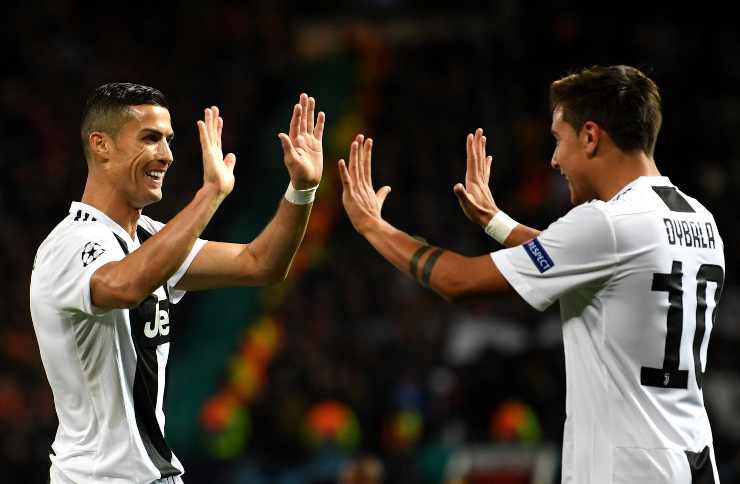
pixel 159 133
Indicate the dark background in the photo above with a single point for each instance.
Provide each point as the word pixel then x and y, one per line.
pixel 249 366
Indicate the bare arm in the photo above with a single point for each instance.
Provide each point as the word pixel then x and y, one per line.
pixel 475 196
pixel 125 283
pixel 268 258
pixel 451 275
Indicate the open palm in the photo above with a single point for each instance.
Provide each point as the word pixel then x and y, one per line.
pixel 302 150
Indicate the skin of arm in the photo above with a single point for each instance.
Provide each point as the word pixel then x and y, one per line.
pixel 267 259
pixel 125 283
pixel 453 276
pixel 475 195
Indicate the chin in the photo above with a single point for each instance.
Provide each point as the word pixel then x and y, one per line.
pixel 148 200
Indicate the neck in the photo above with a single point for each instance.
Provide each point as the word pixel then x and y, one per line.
pixel 109 201
pixel 622 169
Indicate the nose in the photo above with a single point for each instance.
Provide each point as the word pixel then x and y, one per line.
pixel 554 160
pixel 164 152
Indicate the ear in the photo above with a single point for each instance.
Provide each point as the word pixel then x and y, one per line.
pixel 100 144
pixel 590 137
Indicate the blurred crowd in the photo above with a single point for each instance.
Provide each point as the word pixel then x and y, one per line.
pixel 398 380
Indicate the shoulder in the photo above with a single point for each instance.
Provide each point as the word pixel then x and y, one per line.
pixel 587 215
pixel 585 229
pixel 695 204
pixel 71 236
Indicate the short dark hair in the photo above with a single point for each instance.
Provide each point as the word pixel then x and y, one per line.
pixel 107 107
pixel 621 99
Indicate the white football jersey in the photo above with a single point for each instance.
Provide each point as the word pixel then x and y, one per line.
pixel 638 279
pixel 106 369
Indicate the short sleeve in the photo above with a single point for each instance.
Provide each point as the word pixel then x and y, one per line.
pixel 152 226
pixel 576 251
pixel 67 267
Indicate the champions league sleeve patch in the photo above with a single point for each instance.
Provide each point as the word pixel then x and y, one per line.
pixel 539 255
pixel 90 252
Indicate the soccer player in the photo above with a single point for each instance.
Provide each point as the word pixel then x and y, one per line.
pixel 105 277
pixel 637 267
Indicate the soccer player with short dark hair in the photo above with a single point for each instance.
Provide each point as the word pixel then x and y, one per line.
pixel 105 277
pixel 637 267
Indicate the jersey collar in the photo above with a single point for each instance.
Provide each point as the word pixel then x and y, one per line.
pixel 87 212
pixel 650 180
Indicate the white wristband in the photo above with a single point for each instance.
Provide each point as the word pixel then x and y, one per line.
pixel 300 197
pixel 500 227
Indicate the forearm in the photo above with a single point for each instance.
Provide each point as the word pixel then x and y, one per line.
pixel 137 275
pixel 274 248
pixel 520 234
pixel 451 275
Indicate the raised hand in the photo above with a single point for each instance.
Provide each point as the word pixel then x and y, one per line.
pixel 361 202
pixel 217 170
pixel 475 196
pixel 302 151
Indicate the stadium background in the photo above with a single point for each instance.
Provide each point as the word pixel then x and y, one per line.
pixel 348 360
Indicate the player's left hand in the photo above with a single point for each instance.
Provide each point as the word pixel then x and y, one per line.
pixel 475 196
pixel 302 151
pixel 361 202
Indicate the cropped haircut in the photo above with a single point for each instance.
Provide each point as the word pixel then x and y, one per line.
pixel 108 108
pixel 620 99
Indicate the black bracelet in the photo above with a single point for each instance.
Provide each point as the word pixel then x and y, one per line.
pixel 429 265
pixel 415 259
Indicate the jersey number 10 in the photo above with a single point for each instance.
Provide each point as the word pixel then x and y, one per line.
pixel 670 376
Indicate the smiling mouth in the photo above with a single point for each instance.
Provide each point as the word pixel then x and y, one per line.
pixel 155 175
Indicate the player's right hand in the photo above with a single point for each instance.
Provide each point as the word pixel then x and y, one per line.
pixel 218 171
pixel 475 196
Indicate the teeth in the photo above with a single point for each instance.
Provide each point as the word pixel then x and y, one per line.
pixel 155 173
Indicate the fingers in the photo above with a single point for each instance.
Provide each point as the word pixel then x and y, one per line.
pixel 344 175
pixel 481 147
pixel 295 121
pixel 202 134
pixel 207 123
pixel 230 161
pixel 381 194
pixel 470 162
pixel 353 162
pixel 318 131
pixel 478 164
pixel 466 201
pixel 460 190
pixel 482 155
pixel 476 151
pixel 360 139
pixel 310 114
pixel 303 127
pixel 220 129
pixel 367 165
pixel 487 173
pixel 213 124
pixel 288 149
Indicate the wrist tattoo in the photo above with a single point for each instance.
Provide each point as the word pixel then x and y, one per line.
pixel 415 259
pixel 429 266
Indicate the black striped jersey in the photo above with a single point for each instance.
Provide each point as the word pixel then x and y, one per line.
pixel 106 369
pixel 638 279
